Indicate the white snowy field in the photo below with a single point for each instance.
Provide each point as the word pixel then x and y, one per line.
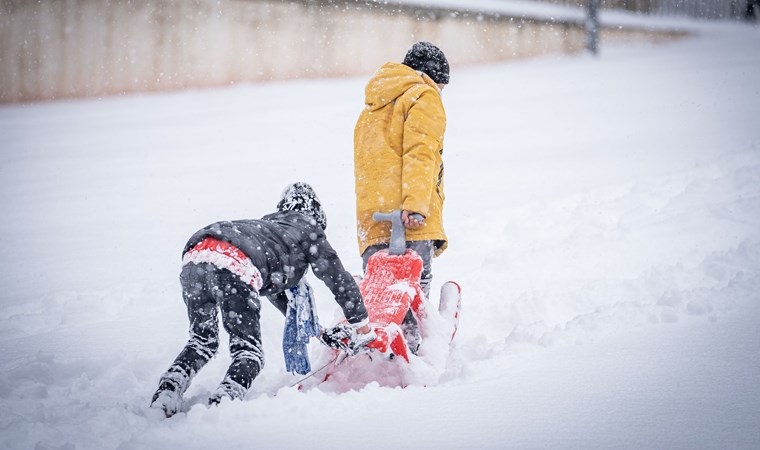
pixel 604 222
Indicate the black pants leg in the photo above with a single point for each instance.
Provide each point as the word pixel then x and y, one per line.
pixel 207 289
pixel 203 341
pixel 241 314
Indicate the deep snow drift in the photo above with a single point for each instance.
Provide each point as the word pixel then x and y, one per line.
pixel 604 219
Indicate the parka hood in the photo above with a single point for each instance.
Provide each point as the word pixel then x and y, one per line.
pixel 390 82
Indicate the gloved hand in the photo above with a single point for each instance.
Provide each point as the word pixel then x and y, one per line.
pixel 345 337
pixel 361 340
pixel 336 337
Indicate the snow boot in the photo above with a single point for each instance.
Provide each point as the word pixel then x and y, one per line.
pixel 167 398
pixel 228 388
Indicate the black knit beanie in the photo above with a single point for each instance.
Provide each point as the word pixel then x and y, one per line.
pixel 302 198
pixel 428 58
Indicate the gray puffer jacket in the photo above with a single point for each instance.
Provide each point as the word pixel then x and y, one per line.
pixel 282 246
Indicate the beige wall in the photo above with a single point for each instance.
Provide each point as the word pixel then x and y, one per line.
pixel 75 48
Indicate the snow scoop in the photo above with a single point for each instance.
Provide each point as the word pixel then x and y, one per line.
pixel 390 287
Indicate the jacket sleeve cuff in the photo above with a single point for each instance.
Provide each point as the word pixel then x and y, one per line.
pixel 417 208
pixel 360 324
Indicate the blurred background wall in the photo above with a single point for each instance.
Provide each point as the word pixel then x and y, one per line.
pixel 52 49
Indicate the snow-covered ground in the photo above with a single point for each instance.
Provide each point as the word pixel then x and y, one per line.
pixel 604 219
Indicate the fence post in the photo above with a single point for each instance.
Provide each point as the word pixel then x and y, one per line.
pixel 592 27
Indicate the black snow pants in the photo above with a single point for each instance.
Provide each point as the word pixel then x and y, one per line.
pixel 206 290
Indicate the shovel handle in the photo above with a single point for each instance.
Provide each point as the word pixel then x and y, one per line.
pixel 398 233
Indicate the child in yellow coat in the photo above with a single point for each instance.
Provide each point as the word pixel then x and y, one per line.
pixel 398 158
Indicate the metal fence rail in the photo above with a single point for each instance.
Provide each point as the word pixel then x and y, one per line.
pixel 703 9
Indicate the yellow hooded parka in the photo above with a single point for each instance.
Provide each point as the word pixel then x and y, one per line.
pixel 398 149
